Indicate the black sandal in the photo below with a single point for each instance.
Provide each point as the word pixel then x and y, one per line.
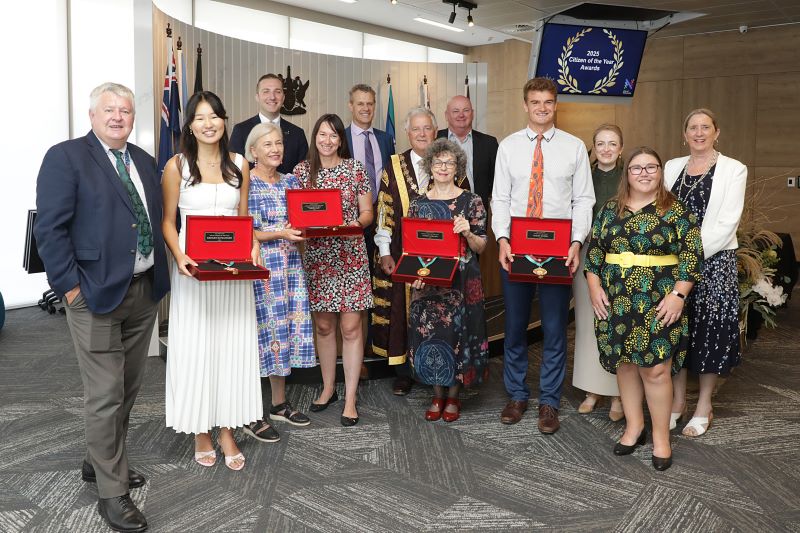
pixel 285 413
pixel 263 431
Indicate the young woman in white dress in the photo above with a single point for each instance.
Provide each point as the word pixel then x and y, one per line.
pixel 213 377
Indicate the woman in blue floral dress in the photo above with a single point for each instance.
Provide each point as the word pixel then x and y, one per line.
pixel 643 259
pixel 285 337
pixel 448 347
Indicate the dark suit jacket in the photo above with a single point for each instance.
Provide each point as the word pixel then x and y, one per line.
pixel 385 144
pixel 295 146
pixel 84 224
pixel 484 153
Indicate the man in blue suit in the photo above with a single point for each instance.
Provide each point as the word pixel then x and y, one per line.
pixel 98 231
pixel 270 97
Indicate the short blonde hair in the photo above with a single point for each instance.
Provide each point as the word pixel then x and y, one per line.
pixel 114 88
pixel 265 128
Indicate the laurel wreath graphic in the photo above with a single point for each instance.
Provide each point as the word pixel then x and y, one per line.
pixel 566 79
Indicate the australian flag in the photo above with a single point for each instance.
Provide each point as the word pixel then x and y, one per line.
pixel 170 112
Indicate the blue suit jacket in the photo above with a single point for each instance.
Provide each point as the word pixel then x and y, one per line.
pixel 84 223
pixel 295 146
pixel 385 144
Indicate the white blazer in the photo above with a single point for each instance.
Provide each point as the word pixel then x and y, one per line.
pixel 724 206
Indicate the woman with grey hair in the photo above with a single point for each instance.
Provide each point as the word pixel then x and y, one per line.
pixel 448 347
pixel 285 335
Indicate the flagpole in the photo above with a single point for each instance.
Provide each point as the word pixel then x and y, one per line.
pixel 390 129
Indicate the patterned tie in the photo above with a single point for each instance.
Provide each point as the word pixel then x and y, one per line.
pixel 369 162
pixel 144 239
pixel 537 181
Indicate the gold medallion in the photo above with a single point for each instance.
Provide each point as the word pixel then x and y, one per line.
pixel 541 272
pixel 422 272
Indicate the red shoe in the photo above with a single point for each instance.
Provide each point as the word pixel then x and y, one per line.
pixel 452 417
pixel 433 416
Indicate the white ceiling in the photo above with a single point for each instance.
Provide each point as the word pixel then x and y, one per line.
pixel 495 20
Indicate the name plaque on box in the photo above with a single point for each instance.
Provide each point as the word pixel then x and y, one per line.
pixel 219 236
pixel 539 235
pixel 314 207
pixel 430 235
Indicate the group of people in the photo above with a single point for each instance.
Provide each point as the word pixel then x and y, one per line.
pixel 658 296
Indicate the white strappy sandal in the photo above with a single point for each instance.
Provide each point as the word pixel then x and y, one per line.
pixel 674 418
pixel 699 424
pixel 206 459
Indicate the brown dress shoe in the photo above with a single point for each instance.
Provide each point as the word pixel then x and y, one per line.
pixel 402 385
pixel 512 412
pixel 548 419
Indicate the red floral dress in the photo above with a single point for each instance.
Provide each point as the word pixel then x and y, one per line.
pixel 336 267
pixel 447 325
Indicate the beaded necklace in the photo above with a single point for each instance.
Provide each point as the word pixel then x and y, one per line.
pixel 699 180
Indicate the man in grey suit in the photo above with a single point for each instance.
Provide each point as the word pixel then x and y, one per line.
pixel 98 231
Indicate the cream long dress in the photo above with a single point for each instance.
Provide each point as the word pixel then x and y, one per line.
pixel 587 373
pixel 213 377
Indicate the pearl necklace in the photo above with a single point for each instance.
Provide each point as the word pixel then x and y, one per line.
pixel 682 184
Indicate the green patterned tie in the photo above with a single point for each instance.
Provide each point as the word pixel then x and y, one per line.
pixel 145 233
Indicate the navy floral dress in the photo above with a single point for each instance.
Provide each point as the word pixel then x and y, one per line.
pixel 713 305
pixel 631 333
pixel 447 327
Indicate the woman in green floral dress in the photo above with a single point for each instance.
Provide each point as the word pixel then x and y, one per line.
pixel 643 259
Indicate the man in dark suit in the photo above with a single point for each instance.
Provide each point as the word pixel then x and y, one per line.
pixel 98 231
pixel 481 149
pixel 270 97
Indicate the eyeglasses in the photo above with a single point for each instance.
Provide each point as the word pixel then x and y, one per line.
pixel 438 163
pixel 636 170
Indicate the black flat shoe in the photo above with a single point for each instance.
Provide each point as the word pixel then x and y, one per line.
pixel 348 422
pixel 662 463
pixel 121 514
pixel 317 407
pixel 624 449
pixel 135 479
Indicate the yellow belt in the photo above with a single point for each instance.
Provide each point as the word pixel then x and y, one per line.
pixel 629 259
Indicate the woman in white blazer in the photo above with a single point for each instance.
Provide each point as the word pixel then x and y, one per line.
pixel 713 187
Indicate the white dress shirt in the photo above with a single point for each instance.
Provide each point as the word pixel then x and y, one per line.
pixel 383 238
pixel 568 190
pixel 466 146
pixel 142 263
pixel 276 121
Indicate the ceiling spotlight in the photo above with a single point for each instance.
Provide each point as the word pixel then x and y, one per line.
pixel 394 2
pixel 470 22
pixel 452 15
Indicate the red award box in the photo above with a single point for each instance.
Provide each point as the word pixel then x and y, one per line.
pixel 318 213
pixel 221 247
pixel 430 252
pixel 540 247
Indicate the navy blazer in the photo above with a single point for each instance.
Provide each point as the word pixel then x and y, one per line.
pixel 385 144
pixel 295 145
pixel 484 153
pixel 84 226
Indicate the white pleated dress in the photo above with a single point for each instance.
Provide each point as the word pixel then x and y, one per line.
pixel 213 377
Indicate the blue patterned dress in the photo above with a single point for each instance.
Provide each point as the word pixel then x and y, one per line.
pixel 713 305
pixel 446 325
pixel 285 336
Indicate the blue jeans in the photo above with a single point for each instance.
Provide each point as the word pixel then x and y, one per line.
pixel 554 312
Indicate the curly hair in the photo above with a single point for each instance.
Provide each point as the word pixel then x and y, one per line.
pixel 445 146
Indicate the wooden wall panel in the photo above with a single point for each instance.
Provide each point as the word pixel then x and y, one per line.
pixel 650 119
pixel 582 119
pixel 778 120
pixel 773 203
pixel 731 99
pixel 662 60
pixel 759 51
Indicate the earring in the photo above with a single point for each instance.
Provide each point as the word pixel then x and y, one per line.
pixel 255 161
pixel 684 142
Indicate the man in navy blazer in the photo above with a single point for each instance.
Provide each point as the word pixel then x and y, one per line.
pixel 270 97
pixel 481 149
pixel 98 231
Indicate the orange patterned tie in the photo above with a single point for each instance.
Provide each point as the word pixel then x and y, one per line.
pixel 537 181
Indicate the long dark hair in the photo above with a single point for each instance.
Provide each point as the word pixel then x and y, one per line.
pixel 314 162
pixel 188 146
pixel 664 198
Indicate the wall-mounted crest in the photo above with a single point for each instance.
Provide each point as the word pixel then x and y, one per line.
pixel 294 91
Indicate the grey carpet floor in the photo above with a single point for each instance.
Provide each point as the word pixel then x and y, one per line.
pixel 394 471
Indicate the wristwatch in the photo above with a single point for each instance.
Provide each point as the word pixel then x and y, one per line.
pixel 678 294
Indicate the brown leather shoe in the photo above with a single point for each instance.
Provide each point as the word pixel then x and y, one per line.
pixel 402 385
pixel 512 412
pixel 548 419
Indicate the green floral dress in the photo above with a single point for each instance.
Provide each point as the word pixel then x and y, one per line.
pixel 631 333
